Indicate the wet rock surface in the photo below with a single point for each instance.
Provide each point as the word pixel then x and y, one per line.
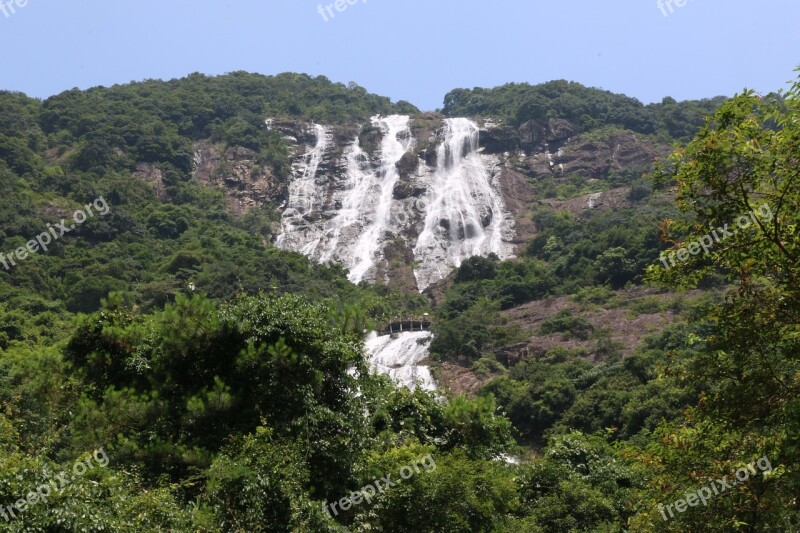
pixel 402 201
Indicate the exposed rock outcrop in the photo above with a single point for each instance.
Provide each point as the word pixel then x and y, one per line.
pixel 236 171
pixel 593 158
pixel 338 191
pixel 381 205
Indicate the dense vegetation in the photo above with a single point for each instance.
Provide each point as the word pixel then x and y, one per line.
pixel 570 254
pixel 60 154
pixel 226 380
pixel 102 130
pixel 587 107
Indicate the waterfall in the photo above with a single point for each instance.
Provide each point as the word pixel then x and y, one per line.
pixel 399 357
pixel 465 214
pixel 366 205
pixel 347 213
pixel 392 150
pixel 303 192
pixel 351 213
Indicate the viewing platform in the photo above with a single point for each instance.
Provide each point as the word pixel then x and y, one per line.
pixel 406 324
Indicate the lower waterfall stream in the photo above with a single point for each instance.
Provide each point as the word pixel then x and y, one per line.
pixel 399 356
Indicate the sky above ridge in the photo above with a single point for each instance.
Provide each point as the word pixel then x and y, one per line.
pixel 415 50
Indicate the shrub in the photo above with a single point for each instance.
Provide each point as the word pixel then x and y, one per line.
pixel 570 325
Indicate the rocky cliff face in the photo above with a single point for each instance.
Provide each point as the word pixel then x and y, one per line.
pixel 556 148
pixel 403 201
pixel 236 171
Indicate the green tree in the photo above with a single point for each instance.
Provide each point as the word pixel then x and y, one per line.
pixel 745 161
pixel 172 387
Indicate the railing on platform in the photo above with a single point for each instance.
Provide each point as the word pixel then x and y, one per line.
pixel 406 325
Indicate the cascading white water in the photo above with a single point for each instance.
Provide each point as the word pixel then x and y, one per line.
pixel 399 357
pixel 303 192
pixel 347 219
pixel 465 214
pixel 367 202
pixel 346 214
pixel 392 150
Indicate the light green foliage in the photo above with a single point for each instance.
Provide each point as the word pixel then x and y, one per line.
pixel 588 107
pixel 478 331
pixel 561 391
pixel 459 495
pixel 564 322
pixel 746 363
pixel 102 499
pixel 245 403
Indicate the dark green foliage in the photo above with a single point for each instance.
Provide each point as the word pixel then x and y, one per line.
pixel 469 322
pixel 86 294
pixel 562 391
pixel 474 427
pixel 605 247
pixel 102 499
pixel 587 107
pixel 154 121
pixel 261 485
pixel 571 326
pixel 15 153
pixel 475 332
pixel 150 248
pixel 216 373
pixel 536 395
pixel 578 485
pixel 226 379
pixel 452 494
pixel 478 268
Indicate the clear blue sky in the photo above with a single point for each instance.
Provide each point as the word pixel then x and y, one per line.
pixel 415 50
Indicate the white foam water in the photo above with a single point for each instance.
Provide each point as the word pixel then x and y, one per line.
pixel 465 214
pixel 370 194
pixel 303 192
pixel 399 357
pixel 347 218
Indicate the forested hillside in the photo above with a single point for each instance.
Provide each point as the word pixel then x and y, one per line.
pixel 588 107
pixel 631 353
